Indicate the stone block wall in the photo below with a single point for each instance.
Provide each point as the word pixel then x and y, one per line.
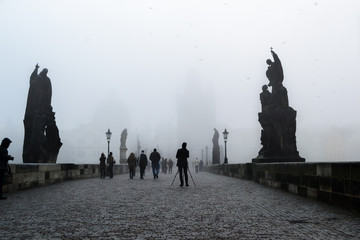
pixel 335 183
pixel 35 175
pixel 243 171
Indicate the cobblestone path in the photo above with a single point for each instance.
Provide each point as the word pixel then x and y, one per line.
pixel 217 208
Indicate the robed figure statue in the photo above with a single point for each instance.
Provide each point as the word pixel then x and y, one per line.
pixel 41 140
pixel 277 119
pixel 216 148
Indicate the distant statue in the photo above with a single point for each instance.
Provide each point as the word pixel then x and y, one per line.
pixel 277 119
pixel 215 139
pixel 138 146
pixel 123 138
pixel 123 149
pixel 41 142
pixel 275 71
pixel 216 147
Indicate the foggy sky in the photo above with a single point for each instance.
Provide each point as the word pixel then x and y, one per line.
pixel 171 71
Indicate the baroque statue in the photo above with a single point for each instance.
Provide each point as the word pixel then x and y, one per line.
pixel 277 119
pixel 123 149
pixel 123 138
pixel 216 148
pixel 41 141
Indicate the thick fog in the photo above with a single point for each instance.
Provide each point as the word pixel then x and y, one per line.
pixel 172 71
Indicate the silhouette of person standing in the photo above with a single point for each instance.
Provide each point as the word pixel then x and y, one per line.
pixel 155 163
pixel 132 165
pixel 4 158
pixel 142 164
pixel 170 164
pixel 102 160
pixel 111 163
pixel 182 155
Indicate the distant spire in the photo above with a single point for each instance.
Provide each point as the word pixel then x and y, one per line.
pixel 138 146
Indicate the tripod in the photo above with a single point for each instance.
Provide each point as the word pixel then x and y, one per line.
pixel 177 174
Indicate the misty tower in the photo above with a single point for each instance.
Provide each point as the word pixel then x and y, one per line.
pixel 196 113
pixel 41 141
pixel 277 119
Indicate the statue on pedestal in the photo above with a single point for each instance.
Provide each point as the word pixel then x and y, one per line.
pixel 41 141
pixel 216 148
pixel 123 149
pixel 277 119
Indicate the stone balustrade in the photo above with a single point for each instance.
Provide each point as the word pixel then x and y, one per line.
pixel 336 183
pixel 35 175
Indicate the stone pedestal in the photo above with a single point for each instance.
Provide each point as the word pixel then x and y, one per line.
pixel 261 159
pixel 278 136
pixel 123 159
pixel 216 156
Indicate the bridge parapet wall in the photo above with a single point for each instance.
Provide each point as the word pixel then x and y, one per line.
pixel 30 175
pixel 336 183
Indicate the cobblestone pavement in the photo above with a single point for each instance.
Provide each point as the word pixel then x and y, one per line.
pixel 217 208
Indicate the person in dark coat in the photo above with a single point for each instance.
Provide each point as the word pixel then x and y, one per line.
pixel 132 165
pixel 164 165
pixel 111 161
pixel 170 163
pixel 182 155
pixel 102 160
pixel 155 159
pixel 4 158
pixel 201 166
pixel 142 164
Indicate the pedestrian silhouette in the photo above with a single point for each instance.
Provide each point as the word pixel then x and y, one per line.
pixel 182 155
pixel 155 159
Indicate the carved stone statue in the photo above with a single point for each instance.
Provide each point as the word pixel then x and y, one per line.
pixel 123 149
pixel 265 98
pixel 275 71
pixel 123 138
pixel 277 119
pixel 41 141
pixel 216 148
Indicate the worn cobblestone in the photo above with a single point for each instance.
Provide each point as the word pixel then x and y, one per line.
pixel 217 208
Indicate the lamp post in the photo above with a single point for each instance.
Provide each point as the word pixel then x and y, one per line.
pixel 206 148
pixel 108 137
pixel 226 133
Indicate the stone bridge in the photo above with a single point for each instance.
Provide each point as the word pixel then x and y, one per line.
pixel 218 207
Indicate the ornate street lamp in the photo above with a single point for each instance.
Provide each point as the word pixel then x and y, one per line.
pixel 108 137
pixel 226 133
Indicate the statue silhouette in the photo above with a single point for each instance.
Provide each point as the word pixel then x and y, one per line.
pixel 41 140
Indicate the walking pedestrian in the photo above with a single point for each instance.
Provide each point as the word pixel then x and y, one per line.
pixel 142 164
pixel 111 163
pixel 196 164
pixel 132 165
pixel 102 160
pixel 182 155
pixel 170 163
pixel 201 165
pixel 155 159
pixel 4 158
pixel 164 165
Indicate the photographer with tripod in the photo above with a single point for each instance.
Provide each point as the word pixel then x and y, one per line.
pixel 182 155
